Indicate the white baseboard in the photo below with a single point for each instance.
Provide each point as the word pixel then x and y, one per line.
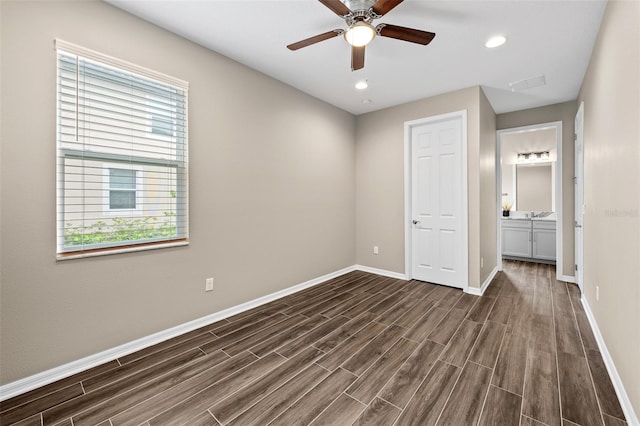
pixel 480 291
pixel 475 291
pixel 567 278
pixel 44 378
pixel 383 272
pixel 623 397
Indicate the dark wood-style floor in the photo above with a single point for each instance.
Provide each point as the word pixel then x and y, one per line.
pixel 359 349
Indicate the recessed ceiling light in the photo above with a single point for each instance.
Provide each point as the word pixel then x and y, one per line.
pixel 362 84
pixel 495 41
pixel 367 101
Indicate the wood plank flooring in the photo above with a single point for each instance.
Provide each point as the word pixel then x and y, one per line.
pixel 359 349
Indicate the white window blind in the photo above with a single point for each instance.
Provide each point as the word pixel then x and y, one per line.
pixel 122 181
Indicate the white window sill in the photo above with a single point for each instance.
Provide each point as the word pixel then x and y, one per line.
pixel 119 250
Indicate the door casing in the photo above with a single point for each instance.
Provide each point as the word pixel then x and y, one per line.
pixel 579 196
pixel 557 183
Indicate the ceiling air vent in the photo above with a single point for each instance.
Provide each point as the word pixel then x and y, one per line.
pixel 518 86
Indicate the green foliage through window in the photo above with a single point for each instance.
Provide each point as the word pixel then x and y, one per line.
pixel 121 229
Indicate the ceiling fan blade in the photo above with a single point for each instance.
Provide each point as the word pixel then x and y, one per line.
pixel 357 58
pixel 406 34
pixel 336 7
pixel 315 39
pixel 382 7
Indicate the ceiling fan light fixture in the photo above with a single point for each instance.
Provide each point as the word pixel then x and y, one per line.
pixel 360 34
pixel 495 41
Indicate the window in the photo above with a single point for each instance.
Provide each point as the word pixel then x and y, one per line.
pixel 122 189
pixel 162 121
pixel 122 156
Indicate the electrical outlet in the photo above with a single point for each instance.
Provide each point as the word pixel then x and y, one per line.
pixel 208 285
pixel 375 250
pixel 597 293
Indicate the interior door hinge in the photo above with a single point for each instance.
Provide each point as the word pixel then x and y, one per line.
pixel 575 137
pixel 576 267
pixel 575 179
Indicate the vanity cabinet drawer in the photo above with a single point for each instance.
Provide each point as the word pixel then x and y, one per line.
pixel 516 223
pixel 544 224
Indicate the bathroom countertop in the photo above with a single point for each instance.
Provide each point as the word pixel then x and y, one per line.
pixel 527 216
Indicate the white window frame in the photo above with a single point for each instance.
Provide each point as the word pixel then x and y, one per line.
pixel 106 191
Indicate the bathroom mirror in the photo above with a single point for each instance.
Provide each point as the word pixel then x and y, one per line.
pixel 529 185
pixel 534 187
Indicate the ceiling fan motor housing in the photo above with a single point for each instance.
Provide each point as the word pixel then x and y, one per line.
pixel 361 11
pixel 358 5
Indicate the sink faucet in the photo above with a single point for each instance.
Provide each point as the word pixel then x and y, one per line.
pixel 533 214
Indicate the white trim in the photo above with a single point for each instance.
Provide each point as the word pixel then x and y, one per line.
pixel 558 194
pixel 57 373
pixel 578 249
pixel 120 250
pixel 408 125
pixel 567 279
pixel 623 397
pixel 475 291
pixel 383 272
pixel 480 291
pixel 74 49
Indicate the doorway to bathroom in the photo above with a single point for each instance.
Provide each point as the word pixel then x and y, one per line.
pixel 529 188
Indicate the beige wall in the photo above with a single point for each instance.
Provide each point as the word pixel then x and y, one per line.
pixel 488 209
pixel 272 186
pixel 380 179
pixel 611 96
pixel 565 112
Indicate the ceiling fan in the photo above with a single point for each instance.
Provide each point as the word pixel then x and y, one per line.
pixel 359 15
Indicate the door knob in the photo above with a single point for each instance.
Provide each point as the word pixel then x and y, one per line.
pixel 415 222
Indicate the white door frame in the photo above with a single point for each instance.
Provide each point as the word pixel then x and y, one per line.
pixel 558 186
pixel 408 251
pixel 579 188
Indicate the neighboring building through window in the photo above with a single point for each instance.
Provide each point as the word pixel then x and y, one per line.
pixel 161 116
pixel 122 156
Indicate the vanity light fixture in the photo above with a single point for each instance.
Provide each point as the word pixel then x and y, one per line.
pixel 532 157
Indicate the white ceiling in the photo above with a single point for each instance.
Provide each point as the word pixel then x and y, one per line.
pixel 544 37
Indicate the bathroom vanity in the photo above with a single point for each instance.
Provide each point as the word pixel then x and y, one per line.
pixel 529 238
